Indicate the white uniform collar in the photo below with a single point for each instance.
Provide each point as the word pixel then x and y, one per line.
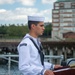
pixel 27 35
pixel 35 39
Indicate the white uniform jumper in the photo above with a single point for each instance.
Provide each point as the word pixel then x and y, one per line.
pixel 29 58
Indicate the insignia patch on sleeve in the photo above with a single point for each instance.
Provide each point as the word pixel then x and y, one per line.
pixel 23 44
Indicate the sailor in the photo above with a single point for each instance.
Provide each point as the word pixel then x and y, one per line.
pixel 31 57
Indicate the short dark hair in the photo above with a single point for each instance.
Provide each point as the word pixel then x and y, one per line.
pixel 32 22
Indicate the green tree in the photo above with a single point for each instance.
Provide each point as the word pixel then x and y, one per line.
pixel 48 29
pixel 17 30
pixel 3 29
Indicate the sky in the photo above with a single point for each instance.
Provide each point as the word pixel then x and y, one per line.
pixel 16 11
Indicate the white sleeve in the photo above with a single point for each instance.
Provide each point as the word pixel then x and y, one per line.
pixel 25 66
pixel 48 65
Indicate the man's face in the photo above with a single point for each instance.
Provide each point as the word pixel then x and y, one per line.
pixel 39 28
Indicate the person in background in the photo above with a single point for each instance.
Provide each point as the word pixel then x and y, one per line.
pixel 31 57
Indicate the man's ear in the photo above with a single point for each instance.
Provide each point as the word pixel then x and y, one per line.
pixel 33 26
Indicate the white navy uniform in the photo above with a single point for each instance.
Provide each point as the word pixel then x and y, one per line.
pixel 29 58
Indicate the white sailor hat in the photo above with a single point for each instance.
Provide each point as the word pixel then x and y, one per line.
pixel 36 18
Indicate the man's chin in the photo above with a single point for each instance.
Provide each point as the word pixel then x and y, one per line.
pixel 41 34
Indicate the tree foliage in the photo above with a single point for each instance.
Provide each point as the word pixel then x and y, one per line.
pixel 13 30
pixel 48 29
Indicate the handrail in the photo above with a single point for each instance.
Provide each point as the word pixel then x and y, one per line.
pixel 61 57
pixel 54 56
pixel 9 60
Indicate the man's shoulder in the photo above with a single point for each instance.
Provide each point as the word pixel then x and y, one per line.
pixel 25 40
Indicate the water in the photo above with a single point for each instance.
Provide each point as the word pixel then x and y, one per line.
pixel 13 70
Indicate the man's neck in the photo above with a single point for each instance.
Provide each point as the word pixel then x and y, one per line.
pixel 33 35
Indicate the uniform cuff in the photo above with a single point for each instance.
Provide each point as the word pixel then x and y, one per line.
pixel 52 67
pixel 43 71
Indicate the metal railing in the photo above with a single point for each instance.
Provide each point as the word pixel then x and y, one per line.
pixel 9 58
pixel 50 57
